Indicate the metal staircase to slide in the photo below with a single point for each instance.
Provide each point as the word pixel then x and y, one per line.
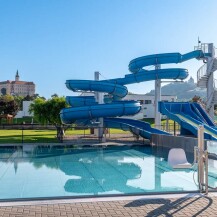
pixel 203 75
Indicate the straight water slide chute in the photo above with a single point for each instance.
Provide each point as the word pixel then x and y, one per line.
pixel 189 115
pixel 86 108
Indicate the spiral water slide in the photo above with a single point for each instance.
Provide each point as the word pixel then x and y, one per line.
pixel 84 109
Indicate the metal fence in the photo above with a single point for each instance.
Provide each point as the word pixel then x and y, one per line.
pixel 48 134
pixel 35 133
pixel 27 126
pixel 170 128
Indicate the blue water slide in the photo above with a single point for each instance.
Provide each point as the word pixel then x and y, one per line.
pixel 98 86
pixel 77 101
pixel 137 64
pixel 204 115
pixel 189 116
pixel 139 128
pixel 68 115
pixel 84 109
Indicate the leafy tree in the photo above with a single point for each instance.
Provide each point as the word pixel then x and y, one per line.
pixel 196 99
pixel 8 105
pixel 28 98
pixel 35 96
pixel 47 112
pixel 54 95
pixel 7 98
pixel 19 101
pixel 3 91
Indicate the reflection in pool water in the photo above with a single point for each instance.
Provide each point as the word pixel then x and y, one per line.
pixel 61 171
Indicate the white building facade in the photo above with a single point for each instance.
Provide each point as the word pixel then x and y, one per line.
pixel 25 112
pixel 17 87
pixel 148 104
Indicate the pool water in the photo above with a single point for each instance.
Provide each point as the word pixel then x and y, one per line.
pixel 66 171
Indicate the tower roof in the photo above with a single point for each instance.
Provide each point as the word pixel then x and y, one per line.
pixel 17 77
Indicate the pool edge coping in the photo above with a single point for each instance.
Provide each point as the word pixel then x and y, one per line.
pixel 103 199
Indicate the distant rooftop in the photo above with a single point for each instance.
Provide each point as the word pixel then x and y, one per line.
pixel 16 81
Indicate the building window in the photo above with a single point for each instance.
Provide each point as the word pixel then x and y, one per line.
pixel 148 101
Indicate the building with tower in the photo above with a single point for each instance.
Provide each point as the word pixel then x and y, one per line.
pixel 17 87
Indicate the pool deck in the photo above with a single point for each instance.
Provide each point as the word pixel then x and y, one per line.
pixel 132 206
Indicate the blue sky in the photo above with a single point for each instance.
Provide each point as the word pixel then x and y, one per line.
pixel 50 41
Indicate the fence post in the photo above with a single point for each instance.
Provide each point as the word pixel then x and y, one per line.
pixel 200 157
pixel 167 124
pixel 22 134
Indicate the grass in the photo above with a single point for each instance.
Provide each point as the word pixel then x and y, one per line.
pixel 149 120
pixel 40 136
pixel 29 136
pixel 49 136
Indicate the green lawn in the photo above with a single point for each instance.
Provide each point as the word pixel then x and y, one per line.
pixel 40 136
pixel 29 136
pixel 49 136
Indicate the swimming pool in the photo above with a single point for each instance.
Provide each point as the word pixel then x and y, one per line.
pixel 59 171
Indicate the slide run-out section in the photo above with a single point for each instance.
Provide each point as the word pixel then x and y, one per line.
pixel 189 116
pixel 139 128
pixel 84 109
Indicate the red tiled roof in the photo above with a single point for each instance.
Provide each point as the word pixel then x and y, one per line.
pixel 22 82
pixel 17 82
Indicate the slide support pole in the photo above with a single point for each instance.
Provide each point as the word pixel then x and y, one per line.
pixel 99 99
pixel 201 160
pixel 210 82
pixel 157 99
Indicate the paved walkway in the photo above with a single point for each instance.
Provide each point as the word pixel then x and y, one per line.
pixel 179 206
